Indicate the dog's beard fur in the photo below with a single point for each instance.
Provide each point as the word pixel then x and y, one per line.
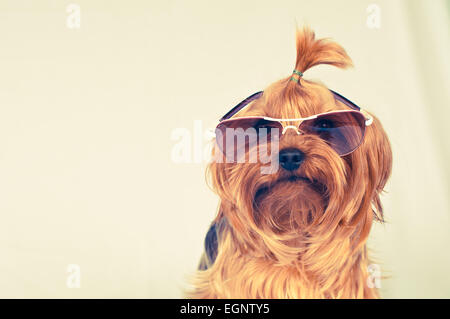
pixel 298 234
pixel 284 208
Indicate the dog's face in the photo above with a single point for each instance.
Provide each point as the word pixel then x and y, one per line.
pixel 314 197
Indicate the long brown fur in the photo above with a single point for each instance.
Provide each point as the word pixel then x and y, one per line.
pixel 297 239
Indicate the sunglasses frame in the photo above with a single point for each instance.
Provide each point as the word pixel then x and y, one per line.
pixel 354 109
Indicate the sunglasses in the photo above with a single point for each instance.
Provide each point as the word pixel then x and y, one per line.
pixel 342 130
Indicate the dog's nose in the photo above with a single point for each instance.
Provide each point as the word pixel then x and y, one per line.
pixel 291 158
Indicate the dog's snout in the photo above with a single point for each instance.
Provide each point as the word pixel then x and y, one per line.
pixel 291 158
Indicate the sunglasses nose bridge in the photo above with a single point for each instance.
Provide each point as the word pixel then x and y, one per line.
pixel 293 127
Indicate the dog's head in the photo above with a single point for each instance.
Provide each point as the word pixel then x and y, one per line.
pixel 321 191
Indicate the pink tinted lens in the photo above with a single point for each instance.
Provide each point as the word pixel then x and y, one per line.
pixel 343 131
pixel 235 136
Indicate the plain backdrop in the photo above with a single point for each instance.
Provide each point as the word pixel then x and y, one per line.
pixel 87 117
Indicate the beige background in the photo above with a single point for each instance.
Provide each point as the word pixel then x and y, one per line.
pixel 86 118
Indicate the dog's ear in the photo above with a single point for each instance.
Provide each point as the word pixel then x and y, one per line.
pixel 218 182
pixel 378 154
pixel 370 167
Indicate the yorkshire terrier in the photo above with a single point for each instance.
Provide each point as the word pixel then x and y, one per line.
pixel 296 227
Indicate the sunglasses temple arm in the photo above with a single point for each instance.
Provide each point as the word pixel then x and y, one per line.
pixel 369 118
pixel 241 105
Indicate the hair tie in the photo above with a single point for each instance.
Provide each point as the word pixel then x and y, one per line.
pixel 300 74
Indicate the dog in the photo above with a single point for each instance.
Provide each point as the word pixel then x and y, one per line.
pixel 301 230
